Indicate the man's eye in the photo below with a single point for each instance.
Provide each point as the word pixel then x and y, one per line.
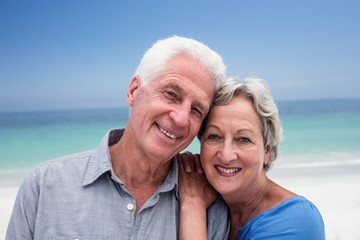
pixel 198 112
pixel 172 95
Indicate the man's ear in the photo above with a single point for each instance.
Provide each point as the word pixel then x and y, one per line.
pixel 134 85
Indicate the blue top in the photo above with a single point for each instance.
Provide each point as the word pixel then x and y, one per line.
pixel 80 197
pixel 294 219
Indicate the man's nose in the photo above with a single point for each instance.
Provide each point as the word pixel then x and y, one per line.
pixel 180 115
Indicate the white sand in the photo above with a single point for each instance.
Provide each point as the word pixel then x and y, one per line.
pixel 335 190
pixel 7 198
pixel 9 185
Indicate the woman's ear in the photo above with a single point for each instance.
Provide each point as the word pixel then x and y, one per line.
pixel 134 85
pixel 267 155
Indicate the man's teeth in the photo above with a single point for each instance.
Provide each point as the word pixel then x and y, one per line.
pixel 228 170
pixel 167 133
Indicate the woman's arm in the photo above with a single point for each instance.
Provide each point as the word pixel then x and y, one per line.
pixel 195 194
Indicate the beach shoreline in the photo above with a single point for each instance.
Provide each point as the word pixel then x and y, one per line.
pixel 332 188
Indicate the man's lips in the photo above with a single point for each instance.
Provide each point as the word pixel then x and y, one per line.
pixel 167 133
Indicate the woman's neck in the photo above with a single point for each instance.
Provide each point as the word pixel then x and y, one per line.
pixel 249 205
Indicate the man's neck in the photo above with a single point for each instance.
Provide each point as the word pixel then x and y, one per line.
pixel 139 174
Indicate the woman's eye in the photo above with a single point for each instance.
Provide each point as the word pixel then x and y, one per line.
pixel 243 140
pixel 213 137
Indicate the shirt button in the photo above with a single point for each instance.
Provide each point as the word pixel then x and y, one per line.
pixel 130 206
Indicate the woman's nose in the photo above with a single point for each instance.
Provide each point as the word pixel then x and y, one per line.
pixel 227 152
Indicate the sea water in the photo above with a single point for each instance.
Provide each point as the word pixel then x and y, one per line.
pixel 316 132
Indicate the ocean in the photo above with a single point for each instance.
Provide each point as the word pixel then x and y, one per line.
pixel 316 133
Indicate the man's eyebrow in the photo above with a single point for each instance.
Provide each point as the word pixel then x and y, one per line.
pixel 175 86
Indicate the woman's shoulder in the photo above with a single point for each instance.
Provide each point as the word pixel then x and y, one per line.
pixel 293 210
pixel 294 218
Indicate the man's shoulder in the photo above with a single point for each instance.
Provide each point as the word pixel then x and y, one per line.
pixel 57 173
pixel 65 164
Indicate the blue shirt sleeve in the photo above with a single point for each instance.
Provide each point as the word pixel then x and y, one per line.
pixel 294 219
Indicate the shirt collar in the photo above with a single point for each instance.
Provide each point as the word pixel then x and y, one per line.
pixel 100 163
pixel 171 181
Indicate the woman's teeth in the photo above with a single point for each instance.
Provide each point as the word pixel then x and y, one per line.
pixel 228 170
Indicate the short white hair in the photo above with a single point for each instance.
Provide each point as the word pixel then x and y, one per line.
pixel 155 58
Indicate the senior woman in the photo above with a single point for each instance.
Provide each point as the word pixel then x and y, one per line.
pixel 239 142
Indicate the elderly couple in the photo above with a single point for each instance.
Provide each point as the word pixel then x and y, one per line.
pixel 136 185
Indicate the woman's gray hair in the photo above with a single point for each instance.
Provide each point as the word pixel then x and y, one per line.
pixel 258 92
pixel 155 58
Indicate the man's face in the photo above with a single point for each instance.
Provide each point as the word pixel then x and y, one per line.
pixel 167 113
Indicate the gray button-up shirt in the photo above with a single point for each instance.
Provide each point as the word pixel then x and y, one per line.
pixel 79 197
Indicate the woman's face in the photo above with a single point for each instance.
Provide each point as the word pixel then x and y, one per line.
pixel 232 147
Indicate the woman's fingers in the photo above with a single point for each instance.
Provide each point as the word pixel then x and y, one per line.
pixel 198 165
pixel 193 182
pixel 188 161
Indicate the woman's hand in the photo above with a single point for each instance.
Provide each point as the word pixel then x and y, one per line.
pixel 193 184
pixel 195 195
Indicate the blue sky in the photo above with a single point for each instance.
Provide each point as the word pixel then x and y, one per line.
pixel 83 53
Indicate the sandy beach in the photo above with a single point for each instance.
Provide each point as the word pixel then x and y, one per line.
pixel 333 189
